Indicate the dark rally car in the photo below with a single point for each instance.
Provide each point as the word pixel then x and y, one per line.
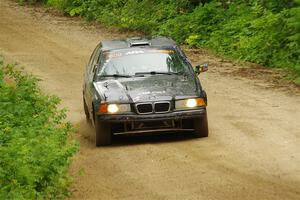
pixel 143 85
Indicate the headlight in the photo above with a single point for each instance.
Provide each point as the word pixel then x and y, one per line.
pixel 189 103
pixel 114 108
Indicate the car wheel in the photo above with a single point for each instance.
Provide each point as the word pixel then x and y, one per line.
pixel 201 126
pixel 86 111
pixel 103 133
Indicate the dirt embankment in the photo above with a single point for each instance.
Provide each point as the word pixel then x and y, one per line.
pixel 253 151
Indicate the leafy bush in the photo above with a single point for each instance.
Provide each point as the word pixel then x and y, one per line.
pixel 35 147
pixel 59 4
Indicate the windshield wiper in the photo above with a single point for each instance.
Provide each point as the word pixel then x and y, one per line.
pixel 154 73
pixel 116 75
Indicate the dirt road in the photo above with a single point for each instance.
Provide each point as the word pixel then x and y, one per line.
pixel 253 151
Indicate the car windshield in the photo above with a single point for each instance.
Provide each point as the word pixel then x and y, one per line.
pixel 142 61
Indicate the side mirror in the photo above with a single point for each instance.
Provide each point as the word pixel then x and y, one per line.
pixel 201 68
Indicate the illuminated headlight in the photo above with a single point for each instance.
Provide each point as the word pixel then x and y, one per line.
pixel 189 103
pixel 114 108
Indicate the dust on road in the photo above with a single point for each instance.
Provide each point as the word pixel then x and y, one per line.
pixel 253 151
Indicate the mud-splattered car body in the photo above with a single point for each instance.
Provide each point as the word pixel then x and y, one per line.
pixel 142 85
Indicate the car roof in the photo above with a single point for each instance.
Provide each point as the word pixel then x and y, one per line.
pixel 128 43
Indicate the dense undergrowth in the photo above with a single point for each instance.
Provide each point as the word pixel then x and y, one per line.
pixel 35 144
pixel 259 31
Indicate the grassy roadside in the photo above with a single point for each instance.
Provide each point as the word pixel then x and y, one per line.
pixel 36 146
pixel 262 32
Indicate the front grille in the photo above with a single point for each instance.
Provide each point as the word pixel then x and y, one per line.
pixel 155 107
pixel 144 108
pixel 161 107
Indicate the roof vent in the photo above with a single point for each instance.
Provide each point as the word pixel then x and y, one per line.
pixel 137 41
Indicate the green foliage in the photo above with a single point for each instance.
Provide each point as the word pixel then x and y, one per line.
pixel 60 4
pixel 194 27
pixel 260 31
pixel 261 36
pixel 35 144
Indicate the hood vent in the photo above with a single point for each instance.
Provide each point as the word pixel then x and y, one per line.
pixel 137 42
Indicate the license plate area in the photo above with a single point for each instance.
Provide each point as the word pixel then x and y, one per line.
pixel 152 125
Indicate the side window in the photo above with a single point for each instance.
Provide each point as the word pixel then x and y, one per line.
pixel 90 61
pixel 100 61
pixel 93 60
pixel 94 64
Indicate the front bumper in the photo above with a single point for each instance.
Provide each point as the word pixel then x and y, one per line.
pixel 176 115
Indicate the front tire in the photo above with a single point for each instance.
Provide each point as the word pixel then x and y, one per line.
pixel 103 132
pixel 201 126
pixel 86 110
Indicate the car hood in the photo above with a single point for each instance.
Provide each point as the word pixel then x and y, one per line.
pixel 148 88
